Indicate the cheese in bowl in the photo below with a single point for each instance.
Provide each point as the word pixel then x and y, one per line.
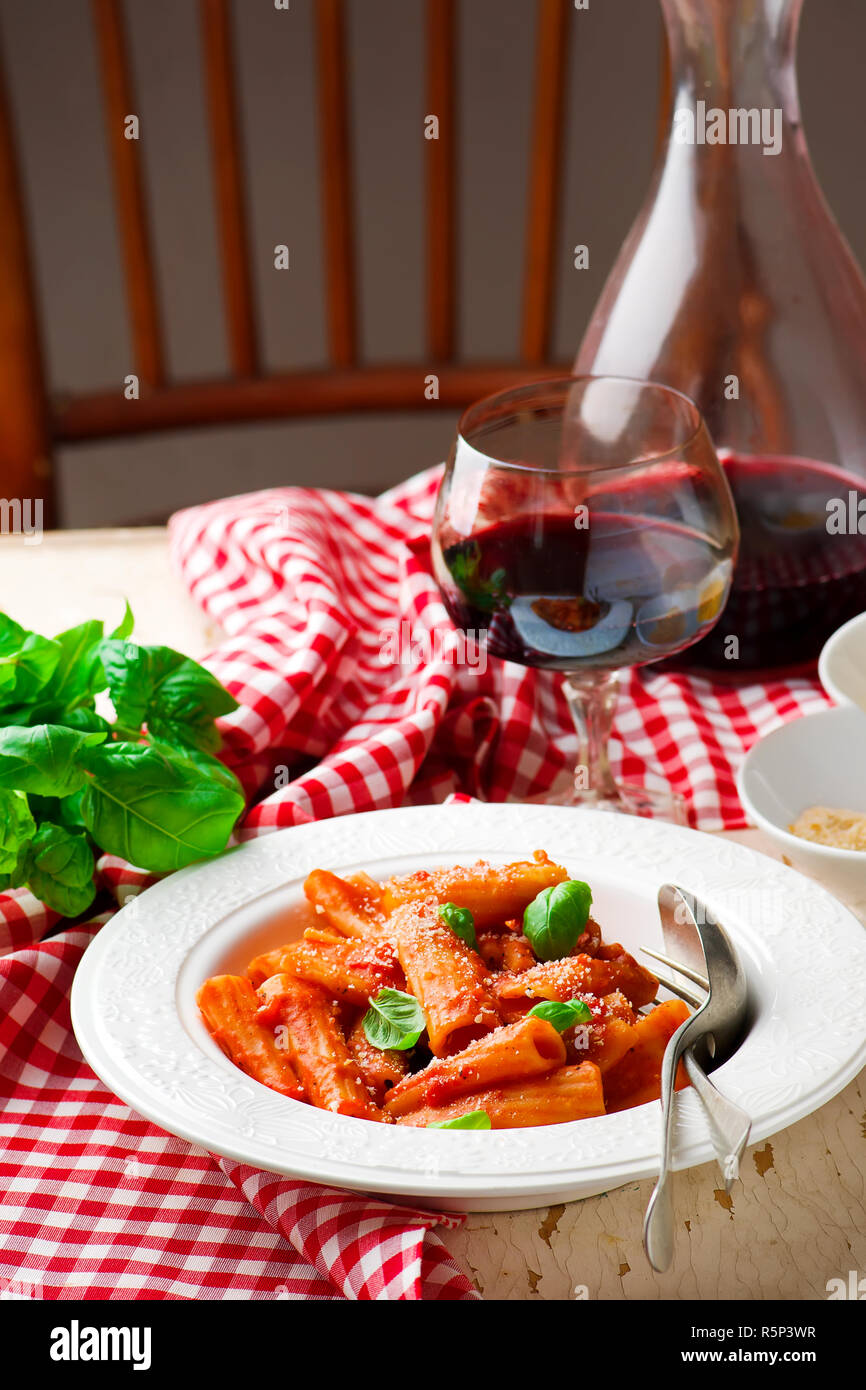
pixel 826 825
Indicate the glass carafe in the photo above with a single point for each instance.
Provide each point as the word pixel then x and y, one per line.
pixel 736 287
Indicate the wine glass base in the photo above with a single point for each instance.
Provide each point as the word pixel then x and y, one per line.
pixel 626 800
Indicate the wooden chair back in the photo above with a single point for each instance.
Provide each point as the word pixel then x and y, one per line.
pixel 33 423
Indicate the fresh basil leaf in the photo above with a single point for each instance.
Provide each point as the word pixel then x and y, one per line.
pixel 556 918
pixel 64 810
pixel 86 721
pixel 394 1021
pixel 25 669
pixel 58 866
pixel 562 1014
pixel 44 759
pixel 17 828
pixel 12 634
pixel 205 762
pixel 83 717
pixel 461 922
pixel 476 1119
pixel 171 693
pixel 155 807
pixel 126 624
pixel 79 673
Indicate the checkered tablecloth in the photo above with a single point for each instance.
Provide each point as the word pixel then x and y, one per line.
pixel 342 657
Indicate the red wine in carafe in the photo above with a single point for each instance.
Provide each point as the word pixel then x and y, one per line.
pixel 802 566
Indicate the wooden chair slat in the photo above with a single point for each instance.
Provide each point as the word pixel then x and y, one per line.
pixel 545 177
pixel 293 395
pixel 132 220
pixel 336 164
pixel 25 462
pixel 229 186
pixel 441 181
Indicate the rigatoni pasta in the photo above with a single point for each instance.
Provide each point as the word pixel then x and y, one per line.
pixel 569 1093
pixel 449 980
pixel 479 996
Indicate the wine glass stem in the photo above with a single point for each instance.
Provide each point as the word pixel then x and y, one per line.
pixel 592 698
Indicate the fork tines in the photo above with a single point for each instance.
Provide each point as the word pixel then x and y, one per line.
pixel 690 996
pixel 681 969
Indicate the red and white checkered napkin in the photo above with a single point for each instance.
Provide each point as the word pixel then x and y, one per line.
pixel 99 1203
pixel 341 655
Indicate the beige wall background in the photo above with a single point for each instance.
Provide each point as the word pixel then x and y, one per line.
pixel 614 65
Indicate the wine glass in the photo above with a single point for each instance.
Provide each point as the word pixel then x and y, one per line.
pixel 585 525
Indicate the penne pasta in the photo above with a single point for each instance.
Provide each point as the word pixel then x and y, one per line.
pixel 302 1014
pixel 636 1078
pixel 380 1070
pixel 382 965
pixel 608 1037
pixel 517 955
pixel 563 979
pixel 590 941
pixel 571 1093
pixel 353 908
pixel 352 970
pixel 448 979
pixel 491 949
pixel 492 893
pixel 229 1007
pixel 638 984
pixel 531 1047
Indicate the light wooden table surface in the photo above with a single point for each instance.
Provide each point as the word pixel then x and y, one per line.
pixel 797 1218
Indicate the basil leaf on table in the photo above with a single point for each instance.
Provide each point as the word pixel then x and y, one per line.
pixel 44 758
pixel 86 721
pixel 476 1119
pixel 126 624
pixel 176 698
pixel 17 828
pixel 394 1021
pixel 205 762
pixel 60 810
pixel 461 922
pixel 58 865
pixel 79 673
pixel 562 1014
pixel 555 920
pixel 27 663
pixel 155 807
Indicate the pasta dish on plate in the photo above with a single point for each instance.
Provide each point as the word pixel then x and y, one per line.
pixel 466 997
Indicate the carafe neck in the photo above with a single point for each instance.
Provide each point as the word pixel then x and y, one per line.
pixel 734 54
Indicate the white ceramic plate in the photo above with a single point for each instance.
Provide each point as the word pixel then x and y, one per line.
pixel 134 1012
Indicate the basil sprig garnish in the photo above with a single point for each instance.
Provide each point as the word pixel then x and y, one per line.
pixel 562 1013
pixel 476 1119
pixel 557 918
pixel 461 922
pixel 394 1021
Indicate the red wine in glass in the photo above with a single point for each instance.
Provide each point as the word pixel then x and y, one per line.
pixel 583 526
pixel 547 596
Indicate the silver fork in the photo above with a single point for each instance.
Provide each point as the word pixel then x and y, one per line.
pixel 718 1025
pixel 729 1124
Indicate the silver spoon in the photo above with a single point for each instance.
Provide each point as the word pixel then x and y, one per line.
pixel 718 1024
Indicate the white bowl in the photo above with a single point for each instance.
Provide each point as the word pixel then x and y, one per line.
pixel 818 760
pixel 134 1012
pixel 842 664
